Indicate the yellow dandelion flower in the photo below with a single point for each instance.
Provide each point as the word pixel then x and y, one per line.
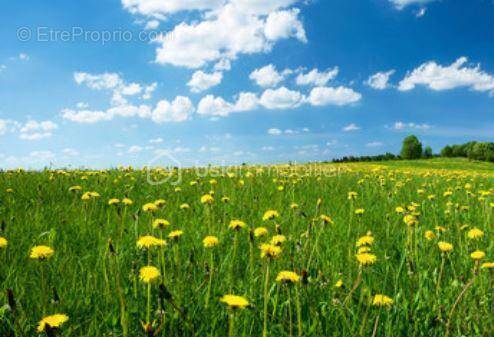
pixel 445 246
pixel 366 240
pixel 127 201
pixel 150 207
pixel 160 223
pixel 149 274
pixel 52 322
pixel 477 255
pixel 359 211
pixel 234 301
pixel 75 188
pixel 86 196
pixel 352 195
pixel 270 215
pixel 410 220
pixel 270 251
pixel 429 235
pixel 41 252
pixel 294 206
pixel 326 219
pixel 207 199
pixel 113 201
pixel 287 277
pixel 487 265
pixel 3 242
pixel 382 301
pixel 475 233
pixel 184 206
pixel 237 224
pixel 210 241
pixel 277 240
pixel 175 235
pixel 399 210
pixel 149 241
pixel 260 231
pixel 366 259
pixel 364 249
pixel 225 200
pixel 160 202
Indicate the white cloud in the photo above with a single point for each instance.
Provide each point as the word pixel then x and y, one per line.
pixel 148 91
pixel 274 132
pixel 152 25
pixel 179 110
pixel 201 81
pixel 158 140
pixel 224 33
pixel 40 156
pixel 99 81
pixel 374 144
pixel 85 116
pixel 34 130
pixel 281 98
pixel 400 126
pixel 400 4
pixel 2 67
pixel 266 76
pixel 351 127
pixel 317 78
pixel 160 8
pixel 456 75
pixel 246 101
pixel 267 148
pixel 23 57
pixel 134 149
pixel 380 80
pixel 283 25
pixel 82 105
pixel 114 83
pixel 214 106
pixel 421 12
pixel 7 125
pixel 321 96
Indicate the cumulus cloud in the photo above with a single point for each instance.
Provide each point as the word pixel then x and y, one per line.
pixel 321 96
pixel 134 149
pixel 116 84
pixel 34 130
pixel 400 126
pixel 380 80
pixel 267 76
pixel 351 127
pixel 281 98
pixel 274 132
pixel 316 77
pixel 400 4
pixel 214 106
pixel 456 75
pixel 283 25
pixel 179 110
pixel 226 33
pixel 201 81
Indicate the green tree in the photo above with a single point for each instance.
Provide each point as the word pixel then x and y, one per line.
pixel 447 152
pixel 428 152
pixel 412 148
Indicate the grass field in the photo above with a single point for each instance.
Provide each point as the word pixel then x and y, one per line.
pixel 384 249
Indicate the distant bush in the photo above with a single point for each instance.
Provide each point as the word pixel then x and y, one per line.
pixel 482 151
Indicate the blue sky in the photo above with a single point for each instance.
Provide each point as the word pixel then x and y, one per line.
pixel 99 83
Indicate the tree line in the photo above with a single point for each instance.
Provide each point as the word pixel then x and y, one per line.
pixel 412 149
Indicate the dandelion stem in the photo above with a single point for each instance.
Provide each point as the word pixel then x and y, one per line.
pixel 266 299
